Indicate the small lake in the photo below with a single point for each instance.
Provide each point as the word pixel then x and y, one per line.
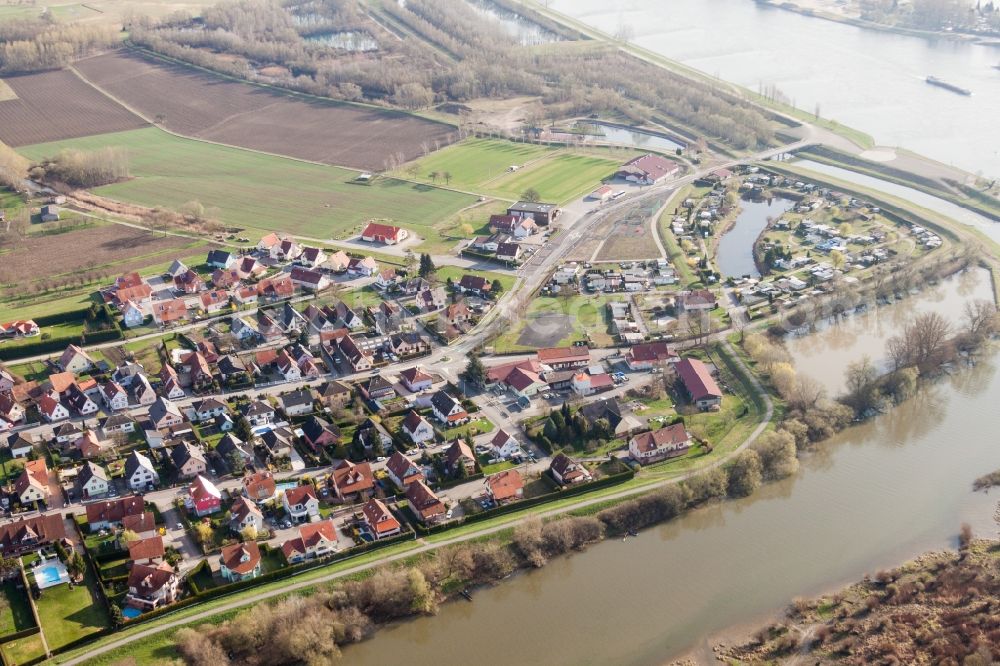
pixel 527 33
pixel 628 137
pixel 356 41
pixel 734 256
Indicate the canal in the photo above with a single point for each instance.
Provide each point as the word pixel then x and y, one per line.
pixel 867 79
pixel 869 498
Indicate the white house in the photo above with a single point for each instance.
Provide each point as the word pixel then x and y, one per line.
pixel 448 410
pixel 140 475
pixel 114 396
pixel 669 442
pixel 417 428
pixel 505 446
pixel 132 314
pixel 92 481
pixel 301 503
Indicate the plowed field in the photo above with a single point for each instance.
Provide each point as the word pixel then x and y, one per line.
pixel 205 106
pixel 52 106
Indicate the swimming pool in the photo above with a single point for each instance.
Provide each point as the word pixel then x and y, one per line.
pixel 288 485
pixel 129 613
pixel 51 574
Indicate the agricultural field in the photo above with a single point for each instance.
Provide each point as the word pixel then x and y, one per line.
pixel 202 105
pixel 482 165
pixel 263 192
pixel 57 105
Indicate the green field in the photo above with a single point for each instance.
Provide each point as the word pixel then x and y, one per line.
pixel 558 179
pixel 260 191
pixel 473 162
pixel 480 165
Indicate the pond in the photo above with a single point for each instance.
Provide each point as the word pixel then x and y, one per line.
pixel 735 253
pixel 526 32
pixel 627 136
pixel 357 41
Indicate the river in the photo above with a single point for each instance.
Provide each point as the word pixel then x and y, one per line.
pixel 875 495
pixel 867 79
pixel 735 254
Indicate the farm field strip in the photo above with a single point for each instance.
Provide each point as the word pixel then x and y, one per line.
pixel 58 105
pixel 199 104
pixel 259 191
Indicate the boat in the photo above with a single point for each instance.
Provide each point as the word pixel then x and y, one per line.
pixel 935 81
pixel 467 594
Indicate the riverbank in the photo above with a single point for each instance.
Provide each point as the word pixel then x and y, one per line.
pixel 938 607
pixel 986 40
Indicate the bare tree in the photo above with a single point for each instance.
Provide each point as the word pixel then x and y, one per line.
pixel 980 317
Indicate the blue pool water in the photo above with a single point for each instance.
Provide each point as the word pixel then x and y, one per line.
pixel 288 485
pixel 51 574
pixel 129 613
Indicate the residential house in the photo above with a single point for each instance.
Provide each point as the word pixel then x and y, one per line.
pixel 585 384
pixel 431 300
pixel 505 446
pixel 89 445
pixel 315 540
pixel 143 524
pixel 351 482
pixel 133 314
pixel 336 262
pixel 32 485
pixel 146 550
pixel 239 561
pixel 386 279
pixel 378 388
pixel 114 396
pixel 383 233
pixel 10 408
pixel 177 267
pixel 214 301
pixel 301 503
pixel 112 513
pixel 22 328
pixel 188 460
pixel 220 259
pixel 417 428
pixel 335 394
pixel 268 328
pixel 319 433
pixel 244 329
pixel 245 295
pixel 402 470
pixel 286 250
pixel 457 314
pixel 476 285
pixel 151 587
pixel 524 378
pixel 166 312
pixel 276 288
pixel 565 358
pixel 506 486
pixel 698 383
pixel 80 402
pixel 699 300
pixel 51 409
pixel 509 252
pixel 231 446
pixel 567 471
pixel 448 410
pixel 380 521
pixel 170 384
pixel 312 257
pixel 225 279
pixel 75 360
pixel 669 442
pixel 540 213
pixel 250 268
pixel 366 267
pixel 287 366
pixel 309 279
pixel 519 227
pixel 232 370
pixel 243 514
pixel 372 437
pixel 209 408
pixel 426 506
pixel 410 344
pixel 608 409
pixel 260 486
pixel 297 403
pixel 649 355
pixel 258 413
pixel 189 282
pixel 67 432
pixel 140 474
pixel 6 380
pixel 28 534
pixel 416 380
pixel 20 444
pixel 457 454
pixel 141 393
pixel 92 481
pixel 204 497
pixel 164 413
pixel 278 442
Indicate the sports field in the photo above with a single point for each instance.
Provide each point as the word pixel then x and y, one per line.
pixel 260 191
pixel 482 165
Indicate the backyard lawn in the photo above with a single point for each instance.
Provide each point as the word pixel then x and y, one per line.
pixel 70 614
pixel 23 650
pixel 465 432
pixel 16 613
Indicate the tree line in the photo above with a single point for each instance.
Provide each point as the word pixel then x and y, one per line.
pixel 452 55
pixel 30 45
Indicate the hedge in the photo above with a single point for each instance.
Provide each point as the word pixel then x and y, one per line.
pixel 24 633
pixel 63 317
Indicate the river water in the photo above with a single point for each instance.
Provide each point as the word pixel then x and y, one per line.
pixel 735 254
pixel 873 496
pixel 870 80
